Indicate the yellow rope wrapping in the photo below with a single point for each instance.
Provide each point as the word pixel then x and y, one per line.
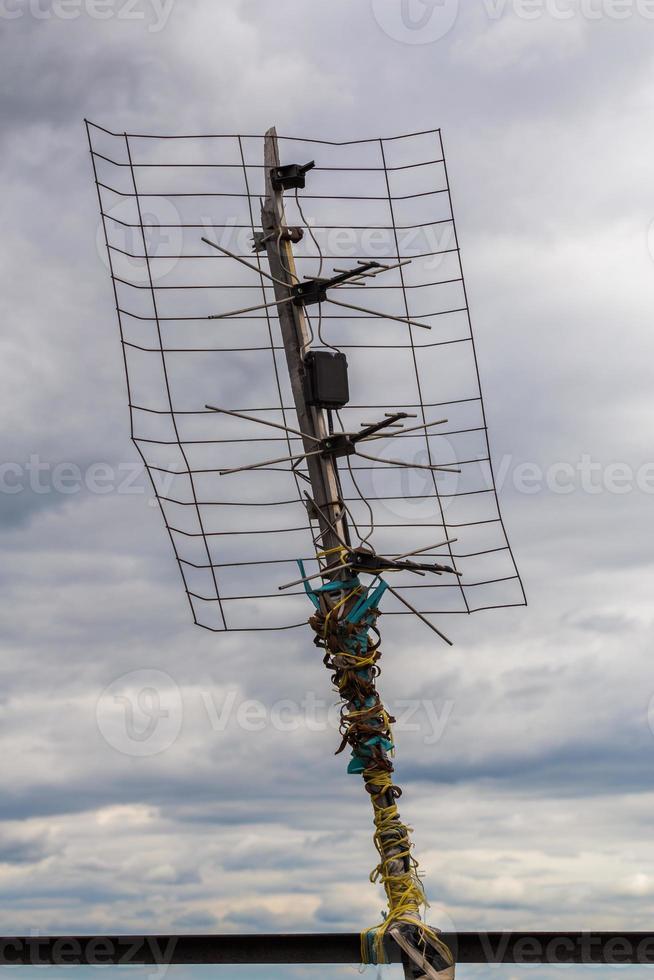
pixel 354 676
pixel 404 892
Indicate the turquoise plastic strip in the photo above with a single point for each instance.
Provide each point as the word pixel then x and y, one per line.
pixel 307 588
pixel 366 602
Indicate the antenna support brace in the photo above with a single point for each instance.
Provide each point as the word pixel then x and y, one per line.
pixel 292 175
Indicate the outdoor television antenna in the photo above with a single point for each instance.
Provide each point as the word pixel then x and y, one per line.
pixel 195 416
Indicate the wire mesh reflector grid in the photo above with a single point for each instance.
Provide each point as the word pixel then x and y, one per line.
pixel 236 536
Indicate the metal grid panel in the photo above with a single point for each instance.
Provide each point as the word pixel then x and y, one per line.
pixel 236 537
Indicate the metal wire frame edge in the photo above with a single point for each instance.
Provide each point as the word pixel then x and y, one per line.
pixel 259 136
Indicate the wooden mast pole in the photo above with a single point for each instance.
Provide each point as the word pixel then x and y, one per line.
pixel 296 337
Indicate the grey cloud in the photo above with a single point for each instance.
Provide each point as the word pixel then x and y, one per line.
pixel 543 773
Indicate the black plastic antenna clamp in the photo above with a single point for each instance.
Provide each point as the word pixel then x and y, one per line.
pixel 290 176
pixel 310 292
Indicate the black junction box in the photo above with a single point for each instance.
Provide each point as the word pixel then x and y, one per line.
pixel 326 384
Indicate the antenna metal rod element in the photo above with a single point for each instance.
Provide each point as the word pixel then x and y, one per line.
pixel 409 466
pixel 383 316
pixel 267 462
pixel 418 614
pixel 251 418
pixel 325 573
pixel 376 272
pixel 248 309
pixel 369 430
pixel 237 258
pixel 413 428
pixel 420 551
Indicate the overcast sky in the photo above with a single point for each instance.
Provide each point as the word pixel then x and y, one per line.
pixel 527 761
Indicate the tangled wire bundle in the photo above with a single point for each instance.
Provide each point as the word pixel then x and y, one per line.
pixel 352 654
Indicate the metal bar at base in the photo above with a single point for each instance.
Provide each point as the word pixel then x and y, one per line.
pixel 553 948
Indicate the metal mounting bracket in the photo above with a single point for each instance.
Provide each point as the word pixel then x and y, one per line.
pixel 292 233
pixel 291 175
pixel 337 444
